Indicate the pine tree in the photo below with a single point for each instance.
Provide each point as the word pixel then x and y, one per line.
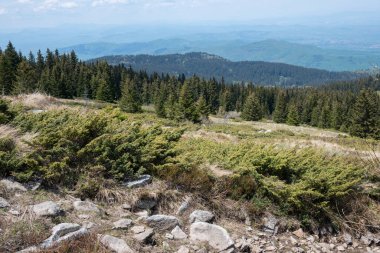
pixel 202 108
pixel 187 101
pixel 280 112
pixel 252 110
pixel 293 115
pixel 130 100
pixel 26 79
pixel 365 115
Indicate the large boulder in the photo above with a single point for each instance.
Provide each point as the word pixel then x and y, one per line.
pixel 115 244
pixel 162 222
pixel 63 232
pixel 12 185
pixel 216 236
pixel 3 203
pixel 145 203
pixel 140 182
pixel 48 208
pixel 201 216
pixel 85 206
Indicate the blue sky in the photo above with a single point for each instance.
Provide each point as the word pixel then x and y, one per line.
pixel 42 13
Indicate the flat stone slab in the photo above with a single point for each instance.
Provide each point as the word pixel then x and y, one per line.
pixel 115 244
pixel 145 236
pixel 48 208
pixel 85 206
pixel 122 224
pixel 162 222
pixel 178 234
pixel 13 185
pixel 201 216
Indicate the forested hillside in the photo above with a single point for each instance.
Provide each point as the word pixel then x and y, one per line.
pixel 208 66
pixel 347 106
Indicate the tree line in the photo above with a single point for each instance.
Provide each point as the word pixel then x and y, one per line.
pixel 352 106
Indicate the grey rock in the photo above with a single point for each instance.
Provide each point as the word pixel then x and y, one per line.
pixel 140 182
pixel 178 234
pixel 45 209
pixel 14 212
pixel 126 206
pixel 29 250
pixel 143 214
pixel 85 206
pixel 183 249
pixel 184 206
pixel 146 203
pixel 138 229
pixel 201 216
pixel 63 232
pixel 270 224
pixel 169 236
pixel 347 238
pixel 115 244
pixel 162 222
pixel 144 237
pixel 216 236
pixel 122 224
pixel 12 185
pixel 3 203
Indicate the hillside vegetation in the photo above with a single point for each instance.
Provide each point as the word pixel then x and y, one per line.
pixel 208 66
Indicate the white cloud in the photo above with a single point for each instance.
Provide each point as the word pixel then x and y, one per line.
pixel 55 4
pixel 2 11
pixel 103 2
pixel 24 1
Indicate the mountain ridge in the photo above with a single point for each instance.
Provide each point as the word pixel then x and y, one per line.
pixel 210 65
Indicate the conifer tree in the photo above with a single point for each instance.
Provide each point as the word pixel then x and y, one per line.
pixel 252 110
pixel 293 115
pixel 365 115
pixel 26 78
pixel 280 112
pixel 130 98
pixel 202 108
pixel 187 101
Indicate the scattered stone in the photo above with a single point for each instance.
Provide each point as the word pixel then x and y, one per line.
pixel 89 225
pixel 270 224
pixel 184 206
pixel 140 182
pixel 122 224
pixel 85 206
pixel 84 216
pixel 145 203
pixel 143 214
pixel 12 185
pixel 162 222
pixel 144 237
pixel 216 236
pixel 341 248
pixel 115 244
pixel 28 250
pixel 169 236
pixel 3 203
pixel 45 209
pixel 293 240
pixel 347 238
pixel 14 212
pixel 299 233
pixel 126 206
pixel 249 229
pixel 271 248
pixel 201 216
pixel 178 234
pixel 138 229
pixel 63 232
pixel 165 246
pixel 183 249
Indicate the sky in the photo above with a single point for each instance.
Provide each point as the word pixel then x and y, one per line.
pixel 21 14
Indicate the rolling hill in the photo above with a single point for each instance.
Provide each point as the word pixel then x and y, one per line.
pixel 208 66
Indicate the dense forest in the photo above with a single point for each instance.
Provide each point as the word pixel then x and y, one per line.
pixel 351 106
pixel 208 66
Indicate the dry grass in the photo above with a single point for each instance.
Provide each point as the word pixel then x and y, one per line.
pixel 21 140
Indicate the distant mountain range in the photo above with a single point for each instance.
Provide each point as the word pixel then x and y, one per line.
pixel 208 66
pixel 238 50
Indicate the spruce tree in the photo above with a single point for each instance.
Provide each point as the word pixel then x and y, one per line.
pixel 365 115
pixel 26 78
pixel 130 97
pixel 202 108
pixel 280 112
pixel 293 115
pixel 187 101
pixel 252 110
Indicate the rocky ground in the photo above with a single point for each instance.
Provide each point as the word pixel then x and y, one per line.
pixel 150 217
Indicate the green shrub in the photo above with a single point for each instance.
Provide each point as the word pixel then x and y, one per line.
pixel 6 114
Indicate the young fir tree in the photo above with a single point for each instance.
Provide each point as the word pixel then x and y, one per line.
pixel 187 102
pixel 293 117
pixel 280 112
pixel 202 108
pixel 365 115
pixel 26 78
pixel 252 110
pixel 130 98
